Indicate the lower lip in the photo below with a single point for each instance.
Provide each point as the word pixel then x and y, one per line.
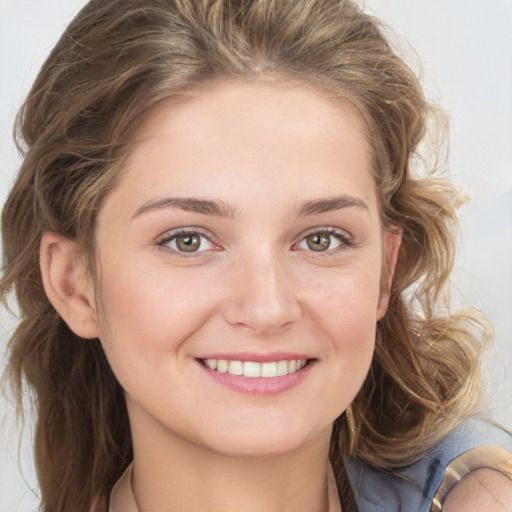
pixel 259 385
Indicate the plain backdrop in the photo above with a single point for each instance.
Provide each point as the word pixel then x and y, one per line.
pixel 462 50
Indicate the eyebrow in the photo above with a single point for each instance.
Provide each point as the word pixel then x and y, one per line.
pixel 222 209
pixel 189 204
pixel 330 205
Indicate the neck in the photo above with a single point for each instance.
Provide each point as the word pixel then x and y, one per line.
pixel 173 474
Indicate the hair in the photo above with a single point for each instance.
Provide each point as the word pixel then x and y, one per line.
pixel 118 59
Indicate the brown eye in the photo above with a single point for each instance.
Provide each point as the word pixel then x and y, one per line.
pixel 325 240
pixel 188 242
pixel 318 241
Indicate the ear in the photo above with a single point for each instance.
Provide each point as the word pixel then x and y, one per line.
pixel 65 282
pixel 392 238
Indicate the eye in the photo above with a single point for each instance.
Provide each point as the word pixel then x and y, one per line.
pixel 324 240
pixel 187 242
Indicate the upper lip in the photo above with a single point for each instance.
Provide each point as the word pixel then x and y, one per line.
pixel 256 357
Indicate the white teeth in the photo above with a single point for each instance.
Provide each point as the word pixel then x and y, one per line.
pixel 236 368
pixel 269 370
pixel 282 368
pixel 211 363
pixel 222 365
pixel 254 369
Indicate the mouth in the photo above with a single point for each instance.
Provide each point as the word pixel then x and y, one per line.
pixel 255 369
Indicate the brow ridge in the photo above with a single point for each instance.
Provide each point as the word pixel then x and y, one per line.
pixel 330 204
pixel 189 204
pixel 223 209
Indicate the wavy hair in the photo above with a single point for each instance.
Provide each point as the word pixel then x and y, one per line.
pixel 115 61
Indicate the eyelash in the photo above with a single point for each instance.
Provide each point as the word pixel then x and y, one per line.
pixel 342 236
pixel 345 239
pixel 174 235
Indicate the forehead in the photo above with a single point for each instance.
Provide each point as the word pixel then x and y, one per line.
pixel 240 106
pixel 269 136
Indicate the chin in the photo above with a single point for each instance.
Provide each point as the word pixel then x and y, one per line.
pixel 263 441
pixel 260 449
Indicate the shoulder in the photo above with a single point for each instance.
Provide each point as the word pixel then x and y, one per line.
pixel 478 479
pixel 474 462
pixel 482 490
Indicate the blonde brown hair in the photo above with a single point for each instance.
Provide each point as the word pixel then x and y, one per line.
pixel 116 60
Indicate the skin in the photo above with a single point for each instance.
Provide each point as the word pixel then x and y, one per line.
pixel 263 155
pixel 265 152
pixel 483 490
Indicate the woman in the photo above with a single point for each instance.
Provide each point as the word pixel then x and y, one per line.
pixel 220 251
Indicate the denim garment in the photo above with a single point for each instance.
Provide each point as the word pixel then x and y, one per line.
pixel 376 491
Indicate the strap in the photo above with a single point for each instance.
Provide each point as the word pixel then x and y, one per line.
pixel 492 457
pixel 413 488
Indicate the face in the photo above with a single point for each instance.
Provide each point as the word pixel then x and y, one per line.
pixel 240 262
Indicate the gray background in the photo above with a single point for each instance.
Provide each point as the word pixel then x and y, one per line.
pixel 465 61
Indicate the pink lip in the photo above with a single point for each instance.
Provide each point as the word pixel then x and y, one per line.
pixel 257 358
pixel 259 385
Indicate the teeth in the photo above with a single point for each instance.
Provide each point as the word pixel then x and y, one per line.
pixel 269 370
pixel 254 369
pixel 236 368
pixel 211 363
pixel 282 368
pixel 222 366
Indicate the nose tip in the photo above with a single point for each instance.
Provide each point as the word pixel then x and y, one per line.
pixel 263 301
pixel 263 322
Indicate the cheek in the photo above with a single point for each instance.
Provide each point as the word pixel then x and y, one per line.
pixel 146 313
pixel 347 299
pixel 352 328
pixel 344 310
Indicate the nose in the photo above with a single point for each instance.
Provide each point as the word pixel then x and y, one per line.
pixel 263 297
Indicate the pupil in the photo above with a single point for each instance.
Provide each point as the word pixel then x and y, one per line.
pixel 319 241
pixel 188 243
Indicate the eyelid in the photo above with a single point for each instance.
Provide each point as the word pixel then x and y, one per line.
pixel 171 234
pixel 344 236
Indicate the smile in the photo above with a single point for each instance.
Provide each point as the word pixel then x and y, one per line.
pixel 255 369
